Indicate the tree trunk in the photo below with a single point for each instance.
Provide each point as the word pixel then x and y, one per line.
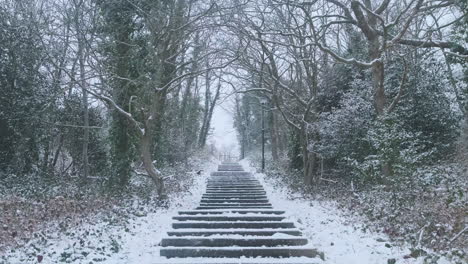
pixel 45 159
pixel 85 121
pixel 274 136
pixel 153 173
pixel 310 176
pixel 201 136
pixel 378 77
pixel 57 153
pixel 81 57
pixel 207 125
pixel 308 159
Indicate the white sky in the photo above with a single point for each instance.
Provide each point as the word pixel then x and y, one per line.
pixel 224 135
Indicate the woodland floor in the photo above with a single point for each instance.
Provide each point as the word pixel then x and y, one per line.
pixel 131 232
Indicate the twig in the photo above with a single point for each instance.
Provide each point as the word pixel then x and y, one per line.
pixel 458 234
pixel 74 126
pixel 328 180
pixel 421 234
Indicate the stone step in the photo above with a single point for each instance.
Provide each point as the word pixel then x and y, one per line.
pixel 229 242
pixel 210 200
pixel 234 188
pixel 218 212
pixel 235 204
pixel 236 193
pixel 239 191
pixel 228 196
pixel 241 232
pixel 209 225
pixel 220 252
pixel 228 218
pixel 232 179
pixel 229 173
pixel 230 166
pixel 229 185
pixel 232 194
pixel 234 185
pixel 211 194
pixel 233 207
pixel 247 183
pixel 292 260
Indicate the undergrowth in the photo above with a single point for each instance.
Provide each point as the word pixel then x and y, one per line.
pixel 33 207
pixel 429 213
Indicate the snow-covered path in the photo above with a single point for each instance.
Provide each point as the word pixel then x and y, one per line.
pixel 342 241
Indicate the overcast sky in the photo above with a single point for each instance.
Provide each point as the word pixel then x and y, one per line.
pixel 224 135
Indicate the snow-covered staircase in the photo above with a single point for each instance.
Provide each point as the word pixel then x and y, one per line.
pixel 235 220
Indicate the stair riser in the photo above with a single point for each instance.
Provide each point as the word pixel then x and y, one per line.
pixel 228 218
pixel 237 253
pixel 228 188
pixel 235 204
pixel 217 242
pixel 233 181
pixel 236 201
pixel 227 232
pixel 234 184
pixel 230 199
pixel 233 225
pixel 230 173
pixel 234 192
pixel 233 207
pixel 208 212
pixel 234 188
pixel 234 197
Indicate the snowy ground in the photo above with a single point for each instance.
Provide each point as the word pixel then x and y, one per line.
pixel 343 241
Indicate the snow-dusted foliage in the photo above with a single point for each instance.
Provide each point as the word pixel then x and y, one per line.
pixel 343 129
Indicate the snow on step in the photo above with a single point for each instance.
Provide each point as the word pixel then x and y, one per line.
pixel 241 232
pixel 230 212
pixel 234 207
pixel 238 196
pixel 236 192
pixel 235 220
pixel 233 200
pixel 229 242
pixel 235 196
pixel 222 252
pixel 225 218
pixel 228 224
pixel 234 187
